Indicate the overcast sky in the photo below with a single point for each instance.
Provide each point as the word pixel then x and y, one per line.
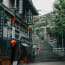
pixel 43 6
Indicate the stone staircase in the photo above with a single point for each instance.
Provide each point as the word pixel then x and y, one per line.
pixel 46 53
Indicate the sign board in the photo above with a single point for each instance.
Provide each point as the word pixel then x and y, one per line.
pixel 34 46
pixel 13 32
pixel 1 21
pixel 15 62
pixel 5 32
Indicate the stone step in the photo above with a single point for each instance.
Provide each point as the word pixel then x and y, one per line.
pixel 46 59
pixel 46 52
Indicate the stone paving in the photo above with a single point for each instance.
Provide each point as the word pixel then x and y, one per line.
pixel 47 63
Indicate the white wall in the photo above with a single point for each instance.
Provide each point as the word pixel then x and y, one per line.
pixel 7 3
pixel 5 32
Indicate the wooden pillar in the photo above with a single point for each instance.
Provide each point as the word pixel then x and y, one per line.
pixel 3 61
pixel 8 61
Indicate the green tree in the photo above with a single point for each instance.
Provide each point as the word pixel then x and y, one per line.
pixel 59 19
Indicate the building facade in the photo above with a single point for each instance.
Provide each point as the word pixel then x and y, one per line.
pixel 15 19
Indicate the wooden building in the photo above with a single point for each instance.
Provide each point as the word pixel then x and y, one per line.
pixel 23 12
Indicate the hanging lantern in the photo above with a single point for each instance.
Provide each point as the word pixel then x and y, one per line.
pixel 28 29
pixel 13 42
pixel 13 19
pixel 22 61
pixel 37 47
pixel 54 35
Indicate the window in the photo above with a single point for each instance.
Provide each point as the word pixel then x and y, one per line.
pixel 17 5
pixel 12 2
pixel 17 35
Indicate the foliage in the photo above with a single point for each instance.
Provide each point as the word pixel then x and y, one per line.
pixel 56 6
pixel 37 25
pixel 59 17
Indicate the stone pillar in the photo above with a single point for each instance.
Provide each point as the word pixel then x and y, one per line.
pixel 45 34
pixel 20 6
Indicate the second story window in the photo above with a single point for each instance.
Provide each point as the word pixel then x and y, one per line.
pixel 19 6
pixel 12 2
